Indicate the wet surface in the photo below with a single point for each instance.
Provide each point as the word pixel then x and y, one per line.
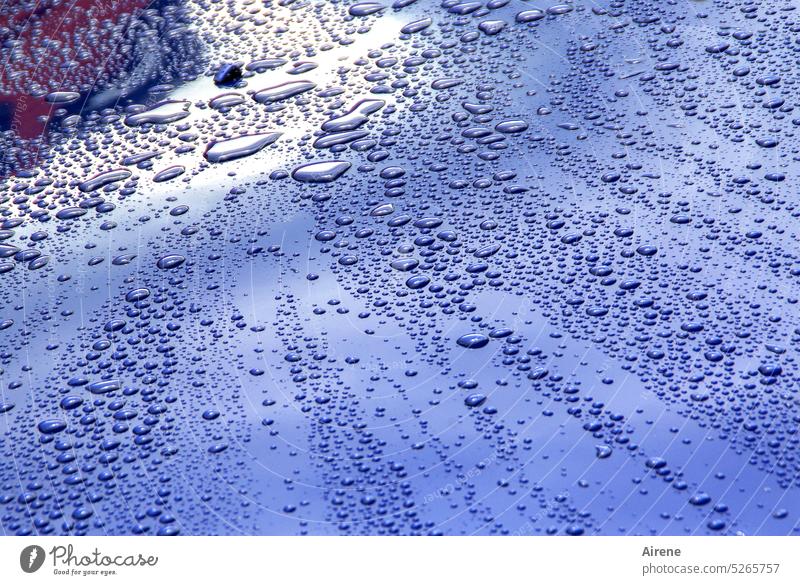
pixel 411 268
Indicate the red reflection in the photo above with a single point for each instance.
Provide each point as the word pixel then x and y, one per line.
pixel 60 45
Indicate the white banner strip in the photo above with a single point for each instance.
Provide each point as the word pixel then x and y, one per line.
pixel 398 560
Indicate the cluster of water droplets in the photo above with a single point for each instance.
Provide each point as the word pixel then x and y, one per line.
pixel 414 268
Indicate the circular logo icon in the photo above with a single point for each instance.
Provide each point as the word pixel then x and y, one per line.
pixel 31 558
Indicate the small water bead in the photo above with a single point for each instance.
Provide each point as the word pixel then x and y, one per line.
pixel 166 112
pixel 428 222
pixel 141 157
pixel 226 100
pixel 170 261
pixel 382 210
pixel 512 126
pixel 560 9
pixel 399 221
pixel 301 67
pixel 169 173
pixel 52 426
pixel 240 146
pixel 530 15
pixel 446 83
pixel 417 282
pixel 492 27
pixel 700 499
pixel 262 65
pixel 137 294
pixel 62 97
pixel 38 263
pixel 365 8
pixel 338 139
pixel 103 179
pixel 70 213
pixel 71 402
pixel 103 386
pixel 656 463
pixel 320 172
pixel 325 236
pixel 114 325
pixel 357 116
pixel 406 264
pixel 416 26
pixel 473 340
pixel 283 91
pixel 603 451
pixel 770 370
pixel 474 400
